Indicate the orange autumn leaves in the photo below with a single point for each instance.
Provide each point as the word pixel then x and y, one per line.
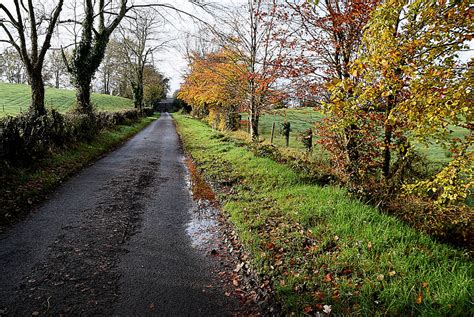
pixel 219 86
pixel 216 80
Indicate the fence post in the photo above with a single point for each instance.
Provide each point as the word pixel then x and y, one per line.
pixel 287 135
pixel 273 133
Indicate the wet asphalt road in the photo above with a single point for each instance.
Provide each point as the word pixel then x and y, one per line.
pixel 112 241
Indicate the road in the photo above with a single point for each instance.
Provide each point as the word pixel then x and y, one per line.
pixel 112 241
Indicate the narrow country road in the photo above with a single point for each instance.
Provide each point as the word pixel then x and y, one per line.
pixel 112 241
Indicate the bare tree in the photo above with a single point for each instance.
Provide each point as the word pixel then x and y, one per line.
pixel 19 22
pixel 112 71
pixel 11 67
pixel 135 41
pixel 56 68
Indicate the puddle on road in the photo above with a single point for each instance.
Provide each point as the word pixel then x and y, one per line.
pixel 203 227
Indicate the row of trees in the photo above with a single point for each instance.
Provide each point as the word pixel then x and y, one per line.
pixel 385 72
pixel 28 28
pixel 114 76
pixel 13 70
pixel 245 38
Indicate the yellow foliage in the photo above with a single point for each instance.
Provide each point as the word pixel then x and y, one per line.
pixel 215 81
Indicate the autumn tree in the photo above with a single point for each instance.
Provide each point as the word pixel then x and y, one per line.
pixel 215 86
pixel 28 28
pixel 412 87
pixel 155 86
pixel 247 29
pixel 324 38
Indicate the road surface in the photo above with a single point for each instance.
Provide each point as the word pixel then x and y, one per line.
pixel 112 241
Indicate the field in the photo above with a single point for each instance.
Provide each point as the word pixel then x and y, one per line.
pixel 304 118
pixel 318 246
pixel 301 120
pixel 15 98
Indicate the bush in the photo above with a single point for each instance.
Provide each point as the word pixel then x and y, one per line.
pixel 147 112
pixel 27 137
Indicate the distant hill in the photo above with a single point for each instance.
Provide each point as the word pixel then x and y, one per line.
pixel 16 97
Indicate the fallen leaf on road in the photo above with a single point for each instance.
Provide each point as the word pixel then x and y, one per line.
pixel 238 267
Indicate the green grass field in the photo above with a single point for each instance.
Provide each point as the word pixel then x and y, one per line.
pixel 317 246
pixel 302 119
pixel 16 98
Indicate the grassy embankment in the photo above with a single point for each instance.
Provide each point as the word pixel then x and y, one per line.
pixel 25 186
pixel 15 98
pixel 319 247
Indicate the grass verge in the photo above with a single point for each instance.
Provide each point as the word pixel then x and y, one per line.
pixel 322 250
pixel 25 187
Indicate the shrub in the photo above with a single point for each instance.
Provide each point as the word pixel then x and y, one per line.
pixel 148 112
pixel 27 136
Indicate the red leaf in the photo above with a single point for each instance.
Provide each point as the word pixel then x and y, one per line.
pixel 328 277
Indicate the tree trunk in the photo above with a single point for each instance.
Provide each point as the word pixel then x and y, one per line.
pixel 253 122
pixel 253 114
pixel 37 93
pixel 57 79
pixel 138 95
pixel 83 96
pixel 352 153
pixel 386 152
pixel 387 138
